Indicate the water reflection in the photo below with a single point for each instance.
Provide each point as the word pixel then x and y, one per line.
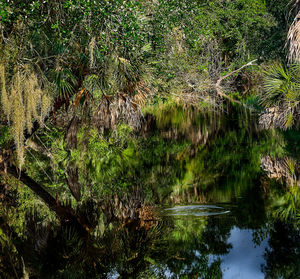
pixel 210 174
pixel 245 259
pixel 219 241
pixel 283 255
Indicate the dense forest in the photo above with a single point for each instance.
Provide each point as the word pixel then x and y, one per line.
pixel 111 109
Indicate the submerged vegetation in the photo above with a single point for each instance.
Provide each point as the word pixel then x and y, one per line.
pixel 110 110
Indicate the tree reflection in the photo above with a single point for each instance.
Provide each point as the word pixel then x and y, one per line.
pixel 175 164
pixel 283 256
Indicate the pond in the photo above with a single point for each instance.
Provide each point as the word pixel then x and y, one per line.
pixel 215 185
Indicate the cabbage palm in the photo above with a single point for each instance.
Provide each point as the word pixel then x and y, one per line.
pixel 282 93
pixel 282 85
pixel 293 37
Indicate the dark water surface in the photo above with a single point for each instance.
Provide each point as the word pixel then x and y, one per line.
pixel 217 203
pixel 216 182
pixel 243 256
pixel 217 216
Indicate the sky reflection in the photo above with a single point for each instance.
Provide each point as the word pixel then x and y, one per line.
pixel 244 260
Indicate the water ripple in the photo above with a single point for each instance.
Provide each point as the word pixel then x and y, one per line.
pixel 195 210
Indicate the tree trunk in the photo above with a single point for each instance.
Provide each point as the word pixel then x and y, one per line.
pixel 65 213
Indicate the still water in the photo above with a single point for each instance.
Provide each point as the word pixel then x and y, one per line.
pixel 216 195
pixel 221 206
pixel 243 258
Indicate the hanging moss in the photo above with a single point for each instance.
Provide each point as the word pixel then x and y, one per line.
pixel 23 104
pixel 4 96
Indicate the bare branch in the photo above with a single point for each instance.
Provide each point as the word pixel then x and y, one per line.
pixel 219 81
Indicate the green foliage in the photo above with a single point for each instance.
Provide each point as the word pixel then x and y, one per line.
pixel 117 39
pixel 273 44
pixel 65 82
pixel 80 50
pixel 281 85
pixel 286 205
pixel 5 137
pixel 282 93
pixel 239 25
pixel 253 101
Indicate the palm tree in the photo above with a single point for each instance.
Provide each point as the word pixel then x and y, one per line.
pixel 293 37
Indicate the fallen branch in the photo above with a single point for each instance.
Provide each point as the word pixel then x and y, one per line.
pixel 219 81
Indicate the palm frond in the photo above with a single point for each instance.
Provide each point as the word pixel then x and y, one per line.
pixel 281 84
pixel 293 36
pixel 92 83
pixel 65 82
